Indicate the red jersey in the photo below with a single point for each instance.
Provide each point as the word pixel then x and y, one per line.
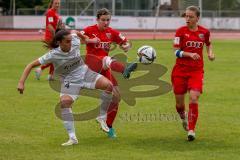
pixel 52 18
pixel 106 37
pixel 191 41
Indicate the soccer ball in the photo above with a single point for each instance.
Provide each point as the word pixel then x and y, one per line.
pixel 146 54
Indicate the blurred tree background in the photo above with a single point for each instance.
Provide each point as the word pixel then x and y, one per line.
pixel 209 5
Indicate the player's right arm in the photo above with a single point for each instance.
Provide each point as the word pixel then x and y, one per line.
pixel 25 74
pixel 86 39
pixel 91 38
pixel 177 46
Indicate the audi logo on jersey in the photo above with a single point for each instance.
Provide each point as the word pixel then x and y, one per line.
pixel 194 44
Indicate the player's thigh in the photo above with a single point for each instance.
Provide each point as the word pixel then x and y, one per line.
pixel 195 82
pixel 179 84
pixel 93 80
pixel 108 74
pixel 179 80
pixel 69 91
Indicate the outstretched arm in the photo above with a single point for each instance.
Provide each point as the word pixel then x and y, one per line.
pixel 25 74
pixel 125 46
pixel 86 39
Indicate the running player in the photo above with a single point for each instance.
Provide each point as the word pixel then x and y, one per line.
pixel 53 21
pixel 188 73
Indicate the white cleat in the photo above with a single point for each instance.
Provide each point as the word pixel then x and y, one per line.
pixel 103 124
pixel 71 141
pixel 38 72
pixel 191 135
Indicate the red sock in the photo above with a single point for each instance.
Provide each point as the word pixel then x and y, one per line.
pixel 51 70
pixel 192 116
pixel 181 111
pixel 45 66
pixel 112 112
pixel 117 66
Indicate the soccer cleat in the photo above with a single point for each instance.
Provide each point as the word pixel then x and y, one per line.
pixel 130 68
pixel 111 133
pixel 38 72
pixel 50 77
pixel 191 135
pixel 103 124
pixel 70 142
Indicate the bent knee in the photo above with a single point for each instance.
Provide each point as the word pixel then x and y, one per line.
pixel 109 87
pixel 66 101
pixel 194 99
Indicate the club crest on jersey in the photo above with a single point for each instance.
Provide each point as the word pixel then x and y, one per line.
pixel 109 35
pixel 187 35
pixel 201 36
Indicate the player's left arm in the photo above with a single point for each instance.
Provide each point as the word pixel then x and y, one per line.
pixel 210 53
pixel 122 41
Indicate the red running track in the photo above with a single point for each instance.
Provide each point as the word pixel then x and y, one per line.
pixel 35 35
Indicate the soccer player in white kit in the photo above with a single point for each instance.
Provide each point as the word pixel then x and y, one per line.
pixel 73 75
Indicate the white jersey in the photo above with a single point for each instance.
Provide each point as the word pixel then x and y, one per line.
pixel 68 66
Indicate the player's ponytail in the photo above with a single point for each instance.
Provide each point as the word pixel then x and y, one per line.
pixel 50 4
pixel 58 37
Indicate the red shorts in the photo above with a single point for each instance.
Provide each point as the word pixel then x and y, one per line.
pixel 185 78
pixel 95 64
pixel 108 74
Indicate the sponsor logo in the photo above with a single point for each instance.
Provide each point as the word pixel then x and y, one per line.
pixel 103 45
pixel 194 44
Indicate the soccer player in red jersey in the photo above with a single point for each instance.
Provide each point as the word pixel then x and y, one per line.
pixel 98 60
pixel 53 22
pixel 187 74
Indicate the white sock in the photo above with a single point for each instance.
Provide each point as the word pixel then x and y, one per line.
pixel 106 99
pixel 68 122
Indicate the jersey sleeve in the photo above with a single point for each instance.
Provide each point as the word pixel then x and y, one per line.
pixel 50 18
pixel 207 39
pixel 75 39
pixel 118 37
pixel 46 58
pixel 177 39
pixel 86 31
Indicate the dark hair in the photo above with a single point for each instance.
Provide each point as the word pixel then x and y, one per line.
pixel 59 36
pixel 194 9
pixel 103 11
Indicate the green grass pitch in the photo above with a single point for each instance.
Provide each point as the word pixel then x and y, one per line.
pixel 30 130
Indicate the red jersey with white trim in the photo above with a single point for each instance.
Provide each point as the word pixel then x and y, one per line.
pixel 52 18
pixel 107 37
pixel 191 41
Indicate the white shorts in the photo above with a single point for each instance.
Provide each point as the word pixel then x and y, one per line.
pixel 73 89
